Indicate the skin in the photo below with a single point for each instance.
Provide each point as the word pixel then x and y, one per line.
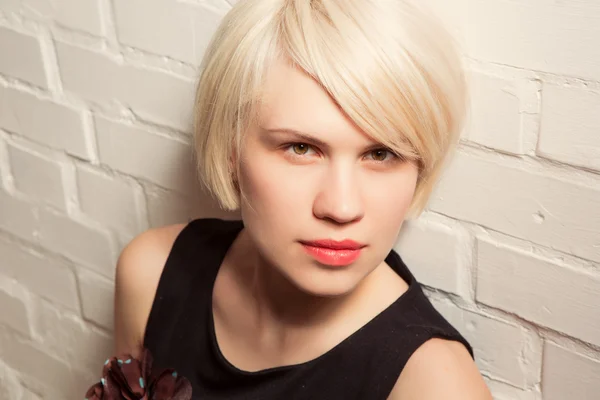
pixel 273 304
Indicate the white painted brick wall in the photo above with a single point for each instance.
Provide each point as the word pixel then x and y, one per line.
pixel 506 196
pixel 37 175
pixel 502 349
pixel 21 57
pixel 82 15
pixel 495 120
pixel 145 155
pixel 561 297
pixel 110 200
pixel 101 79
pixel 174 29
pixel 558 37
pixel 48 277
pixel 95 115
pixel 559 381
pixel 97 293
pixel 55 327
pixel 72 239
pixel 54 125
pixel 10 387
pixel 504 110
pixel 442 268
pixel 570 126
pixel 14 313
pixel 17 216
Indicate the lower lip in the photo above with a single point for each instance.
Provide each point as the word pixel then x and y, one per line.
pixel 336 258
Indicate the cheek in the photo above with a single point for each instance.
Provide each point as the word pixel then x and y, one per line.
pixel 389 201
pixel 272 205
pixel 270 186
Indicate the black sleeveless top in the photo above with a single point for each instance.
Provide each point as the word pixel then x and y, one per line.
pixel 180 333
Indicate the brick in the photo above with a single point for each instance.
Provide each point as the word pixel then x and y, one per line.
pixel 167 207
pixel 38 368
pixel 522 204
pixel 439 268
pixel 29 395
pixel 158 159
pixel 80 243
pixel 570 126
pixel 22 7
pixel 97 295
pixel 501 349
pixel 45 276
pixel 108 199
pixel 10 387
pixel 82 15
pixel 559 37
pixel 153 96
pixel 504 391
pixel 17 217
pixel 54 125
pixel 37 176
pixel 86 345
pixel 568 375
pixel 495 117
pixel 21 57
pixel 178 30
pixel 14 310
pixel 561 298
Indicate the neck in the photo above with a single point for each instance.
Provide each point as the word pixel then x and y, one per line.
pixel 280 308
pixel 280 301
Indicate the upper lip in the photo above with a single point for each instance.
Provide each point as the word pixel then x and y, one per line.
pixel 346 244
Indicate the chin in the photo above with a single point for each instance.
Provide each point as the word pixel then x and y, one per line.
pixel 326 282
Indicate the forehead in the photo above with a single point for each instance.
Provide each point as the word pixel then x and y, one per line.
pixel 292 99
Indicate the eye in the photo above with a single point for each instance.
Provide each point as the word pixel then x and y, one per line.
pixel 300 148
pixel 382 155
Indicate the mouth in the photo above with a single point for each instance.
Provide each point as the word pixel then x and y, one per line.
pixel 334 253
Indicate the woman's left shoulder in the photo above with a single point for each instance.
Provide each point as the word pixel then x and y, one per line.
pixel 440 369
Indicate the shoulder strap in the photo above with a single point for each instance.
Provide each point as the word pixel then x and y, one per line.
pixel 388 342
pixel 187 277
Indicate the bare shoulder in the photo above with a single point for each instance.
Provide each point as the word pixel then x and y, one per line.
pixel 138 272
pixel 440 369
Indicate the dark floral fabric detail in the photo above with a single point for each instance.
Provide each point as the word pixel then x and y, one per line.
pixel 128 378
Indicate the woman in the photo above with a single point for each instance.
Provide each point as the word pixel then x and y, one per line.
pixel 326 123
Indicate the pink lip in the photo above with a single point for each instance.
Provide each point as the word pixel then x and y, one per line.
pixel 334 253
pixel 336 245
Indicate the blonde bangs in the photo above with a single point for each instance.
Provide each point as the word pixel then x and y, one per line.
pixel 369 56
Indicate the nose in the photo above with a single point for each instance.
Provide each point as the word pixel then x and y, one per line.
pixel 339 198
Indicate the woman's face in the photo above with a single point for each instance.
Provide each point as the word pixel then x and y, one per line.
pixel 308 173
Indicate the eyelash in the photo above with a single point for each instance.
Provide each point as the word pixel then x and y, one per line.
pixel 393 157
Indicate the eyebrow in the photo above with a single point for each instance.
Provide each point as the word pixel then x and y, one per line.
pixel 301 136
pixel 311 139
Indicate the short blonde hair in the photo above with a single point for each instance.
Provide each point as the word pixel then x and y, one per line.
pixel 389 64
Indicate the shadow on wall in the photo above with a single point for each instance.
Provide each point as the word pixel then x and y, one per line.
pixel 173 194
pixel 161 171
pixel 183 198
